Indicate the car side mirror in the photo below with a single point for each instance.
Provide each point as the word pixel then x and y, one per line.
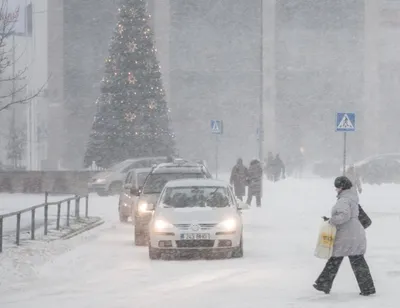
pixel 135 191
pixel 150 207
pixel 242 205
pixel 128 186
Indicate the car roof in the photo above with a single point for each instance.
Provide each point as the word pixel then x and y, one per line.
pixel 142 158
pixel 178 168
pixel 140 170
pixel 196 182
pixel 374 157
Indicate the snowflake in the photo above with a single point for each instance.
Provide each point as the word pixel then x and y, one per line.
pixel 152 104
pixel 131 79
pixel 132 46
pixel 133 12
pixel 130 116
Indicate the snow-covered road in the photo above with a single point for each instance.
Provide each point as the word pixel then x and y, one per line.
pixel 278 269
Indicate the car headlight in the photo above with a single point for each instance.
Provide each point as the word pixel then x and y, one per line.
pixel 160 225
pixel 142 207
pixel 228 225
pixel 100 180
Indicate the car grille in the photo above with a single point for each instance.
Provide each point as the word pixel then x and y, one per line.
pixel 185 227
pixel 195 243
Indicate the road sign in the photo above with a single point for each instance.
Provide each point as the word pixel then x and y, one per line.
pixel 345 122
pixel 216 127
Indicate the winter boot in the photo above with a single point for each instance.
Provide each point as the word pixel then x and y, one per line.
pixel 367 293
pixel 320 288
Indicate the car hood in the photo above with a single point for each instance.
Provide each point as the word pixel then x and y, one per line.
pixel 102 175
pixel 195 215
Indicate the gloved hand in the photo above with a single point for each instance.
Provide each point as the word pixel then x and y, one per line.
pixel 325 218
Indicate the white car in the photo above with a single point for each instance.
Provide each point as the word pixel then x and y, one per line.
pixel 196 215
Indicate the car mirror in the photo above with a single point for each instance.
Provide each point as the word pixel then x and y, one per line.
pixel 242 205
pixel 128 186
pixel 135 191
pixel 150 207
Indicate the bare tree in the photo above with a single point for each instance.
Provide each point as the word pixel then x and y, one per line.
pixel 16 143
pixel 8 20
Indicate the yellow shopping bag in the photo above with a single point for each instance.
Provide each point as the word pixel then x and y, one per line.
pixel 326 239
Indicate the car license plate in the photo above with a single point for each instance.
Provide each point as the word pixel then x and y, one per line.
pixel 195 236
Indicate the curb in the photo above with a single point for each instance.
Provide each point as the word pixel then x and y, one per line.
pixel 93 225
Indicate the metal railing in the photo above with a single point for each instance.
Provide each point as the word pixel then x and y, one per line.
pixel 46 205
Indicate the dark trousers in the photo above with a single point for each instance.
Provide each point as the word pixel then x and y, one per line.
pixel 360 269
pixel 250 198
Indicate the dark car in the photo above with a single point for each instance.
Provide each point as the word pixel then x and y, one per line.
pixel 379 169
pixel 153 186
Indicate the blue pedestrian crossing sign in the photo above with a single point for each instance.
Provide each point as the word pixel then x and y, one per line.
pixel 345 122
pixel 216 127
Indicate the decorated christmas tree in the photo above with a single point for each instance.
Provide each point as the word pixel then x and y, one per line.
pixel 132 114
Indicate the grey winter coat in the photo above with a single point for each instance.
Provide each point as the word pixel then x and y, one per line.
pixel 350 236
pixel 255 178
pixel 238 179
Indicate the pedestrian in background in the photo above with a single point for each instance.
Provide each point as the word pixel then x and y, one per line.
pixel 238 179
pixel 269 166
pixel 278 168
pixel 255 175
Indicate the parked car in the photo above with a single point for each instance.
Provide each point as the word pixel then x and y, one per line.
pixel 110 182
pixel 128 198
pixel 153 186
pixel 196 215
pixel 379 169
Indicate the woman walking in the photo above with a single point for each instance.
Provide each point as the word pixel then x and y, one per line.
pixel 350 241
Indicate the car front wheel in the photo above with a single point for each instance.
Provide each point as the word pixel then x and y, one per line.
pixel 140 237
pixel 123 218
pixel 154 253
pixel 238 252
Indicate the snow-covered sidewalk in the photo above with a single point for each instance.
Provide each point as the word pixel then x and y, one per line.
pixel 102 268
pixel 16 202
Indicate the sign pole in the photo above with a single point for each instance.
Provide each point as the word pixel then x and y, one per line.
pixel 216 156
pixel 217 129
pixel 344 152
pixel 345 122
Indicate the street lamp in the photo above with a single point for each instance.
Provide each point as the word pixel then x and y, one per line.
pixel 261 96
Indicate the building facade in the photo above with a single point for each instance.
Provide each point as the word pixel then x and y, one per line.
pixel 318 58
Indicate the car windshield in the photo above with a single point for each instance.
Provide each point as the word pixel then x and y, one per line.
pixel 195 196
pixel 156 181
pixel 141 177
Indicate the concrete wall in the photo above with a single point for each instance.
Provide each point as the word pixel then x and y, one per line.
pixel 56 111
pixel 319 71
pixel 88 27
pixel 214 74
